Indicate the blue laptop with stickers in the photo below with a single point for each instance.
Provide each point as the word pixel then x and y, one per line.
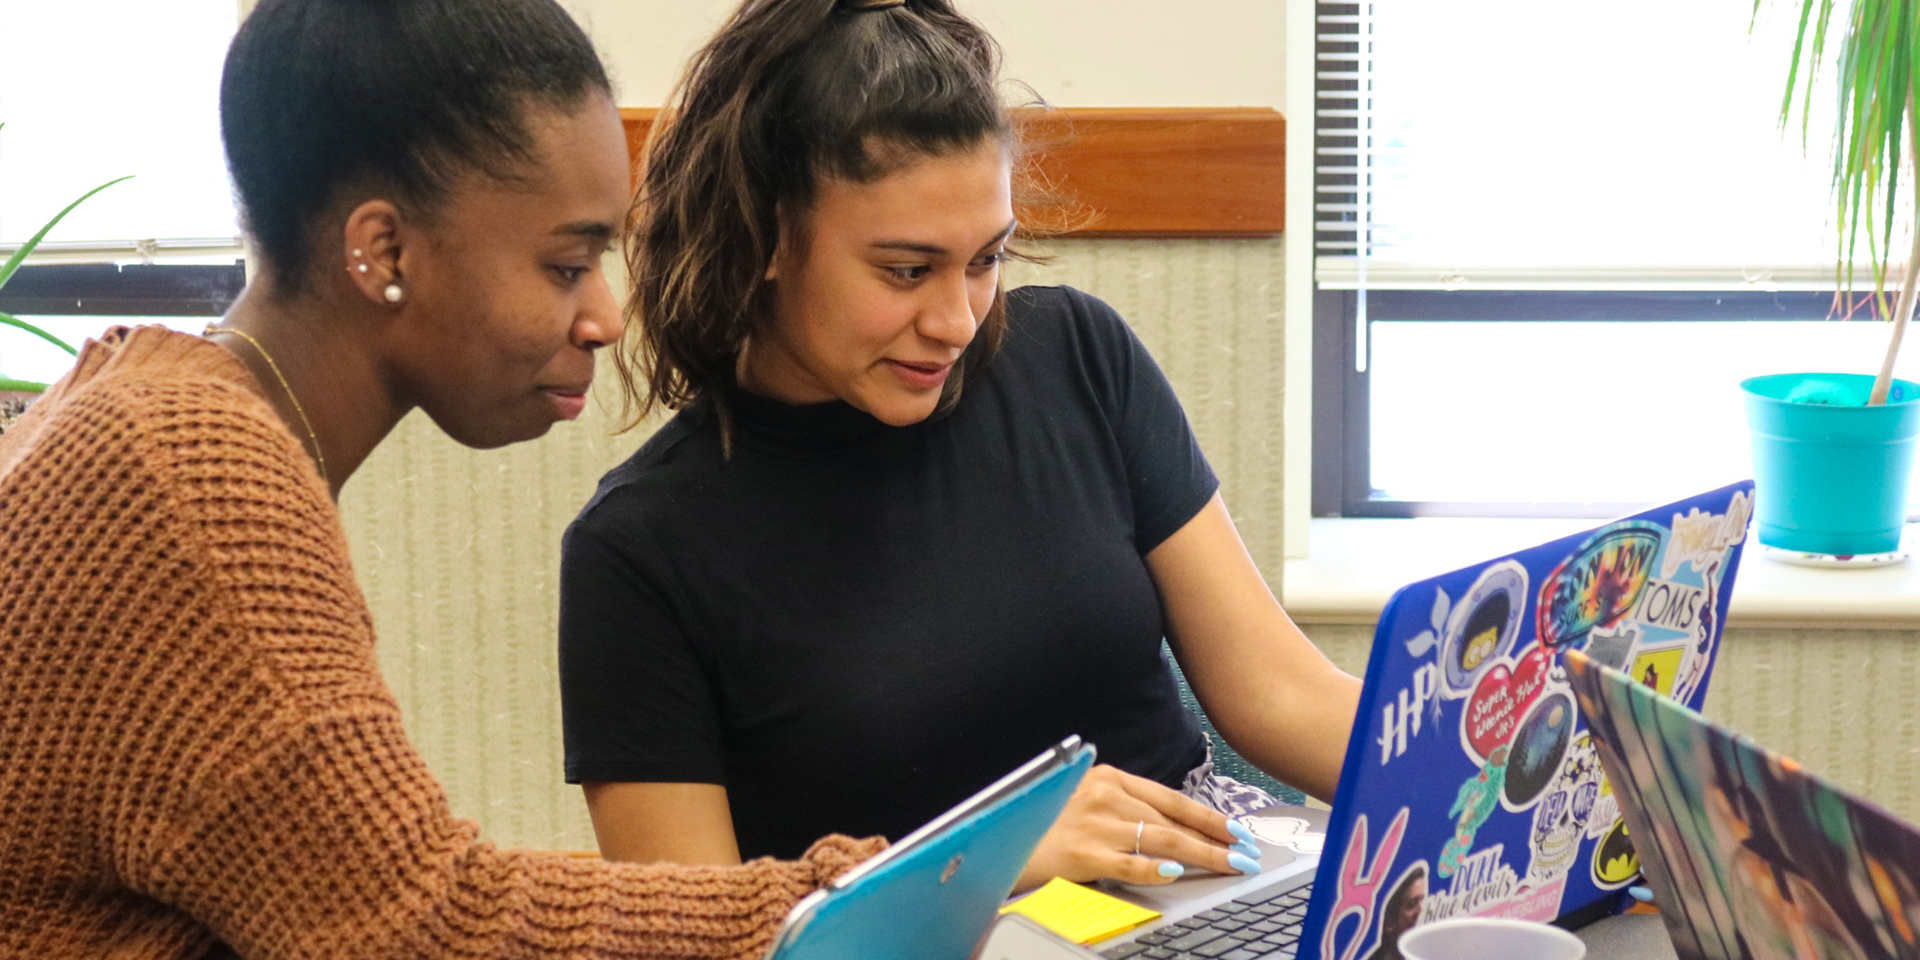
pixel 1471 786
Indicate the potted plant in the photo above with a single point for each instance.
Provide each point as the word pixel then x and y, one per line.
pixel 15 394
pixel 1834 453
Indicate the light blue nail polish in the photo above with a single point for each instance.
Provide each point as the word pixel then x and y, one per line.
pixel 1242 864
pixel 1642 894
pixel 1248 850
pixel 1240 831
pixel 1172 870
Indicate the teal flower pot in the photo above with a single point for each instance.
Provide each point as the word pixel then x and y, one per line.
pixel 1831 477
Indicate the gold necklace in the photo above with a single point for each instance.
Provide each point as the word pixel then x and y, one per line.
pixel 319 456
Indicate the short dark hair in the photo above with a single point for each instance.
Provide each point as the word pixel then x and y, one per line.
pixel 786 94
pixel 323 97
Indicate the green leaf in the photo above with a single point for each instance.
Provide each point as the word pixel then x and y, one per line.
pixel 1793 65
pixel 22 386
pixel 20 255
pixel 13 321
pixel 1878 44
pixel 1819 46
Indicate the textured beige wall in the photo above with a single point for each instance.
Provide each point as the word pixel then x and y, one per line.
pixel 458 550
pixel 1209 311
pixel 1076 53
pixel 1840 702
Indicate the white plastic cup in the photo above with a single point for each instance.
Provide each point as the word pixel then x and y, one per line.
pixel 1477 938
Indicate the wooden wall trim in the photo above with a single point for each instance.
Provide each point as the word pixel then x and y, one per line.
pixel 1145 172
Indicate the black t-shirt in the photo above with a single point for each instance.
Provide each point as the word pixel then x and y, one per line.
pixel 853 626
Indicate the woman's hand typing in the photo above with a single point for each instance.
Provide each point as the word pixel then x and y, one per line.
pixel 1095 836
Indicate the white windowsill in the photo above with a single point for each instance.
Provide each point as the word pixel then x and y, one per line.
pixel 1355 565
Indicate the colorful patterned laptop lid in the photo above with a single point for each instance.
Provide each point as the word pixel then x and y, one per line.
pixel 1471 786
pixel 1748 854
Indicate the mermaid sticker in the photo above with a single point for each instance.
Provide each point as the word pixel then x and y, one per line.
pixel 1476 801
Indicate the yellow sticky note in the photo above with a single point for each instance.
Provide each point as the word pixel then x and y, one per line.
pixel 1078 913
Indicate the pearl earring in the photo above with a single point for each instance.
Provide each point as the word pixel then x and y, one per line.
pixel 394 294
pixel 363 268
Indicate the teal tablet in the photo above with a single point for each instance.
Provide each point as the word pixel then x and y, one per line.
pixel 932 895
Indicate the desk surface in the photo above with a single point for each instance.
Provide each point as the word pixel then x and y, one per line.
pixel 1637 936
pixel 1634 936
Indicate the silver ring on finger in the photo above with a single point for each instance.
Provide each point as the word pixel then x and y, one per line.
pixel 1138 829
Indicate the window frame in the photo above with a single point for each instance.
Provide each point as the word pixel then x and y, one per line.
pixel 1342 434
pixel 130 290
pixel 168 276
pixel 1339 182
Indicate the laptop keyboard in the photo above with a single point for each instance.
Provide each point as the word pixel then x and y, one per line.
pixel 1263 925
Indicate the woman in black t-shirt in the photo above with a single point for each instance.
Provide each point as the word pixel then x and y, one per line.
pixel 836 592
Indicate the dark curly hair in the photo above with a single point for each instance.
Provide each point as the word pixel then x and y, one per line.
pixel 787 93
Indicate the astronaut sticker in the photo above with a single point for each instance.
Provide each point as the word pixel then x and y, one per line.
pixel 1538 747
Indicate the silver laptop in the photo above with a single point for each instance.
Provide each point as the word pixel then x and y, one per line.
pixel 1256 913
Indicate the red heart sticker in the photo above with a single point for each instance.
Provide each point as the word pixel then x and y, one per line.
pixel 1501 698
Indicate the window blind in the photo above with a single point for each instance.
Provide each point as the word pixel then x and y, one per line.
pixel 1512 144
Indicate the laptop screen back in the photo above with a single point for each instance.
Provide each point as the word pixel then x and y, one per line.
pixel 1471 786
pixel 1749 855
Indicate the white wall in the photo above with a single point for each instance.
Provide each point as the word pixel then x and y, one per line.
pixel 1082 53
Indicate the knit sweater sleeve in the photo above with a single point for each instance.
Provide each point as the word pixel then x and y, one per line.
pixel 300 821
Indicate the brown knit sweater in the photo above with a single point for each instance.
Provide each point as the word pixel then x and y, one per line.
pixel 197 750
